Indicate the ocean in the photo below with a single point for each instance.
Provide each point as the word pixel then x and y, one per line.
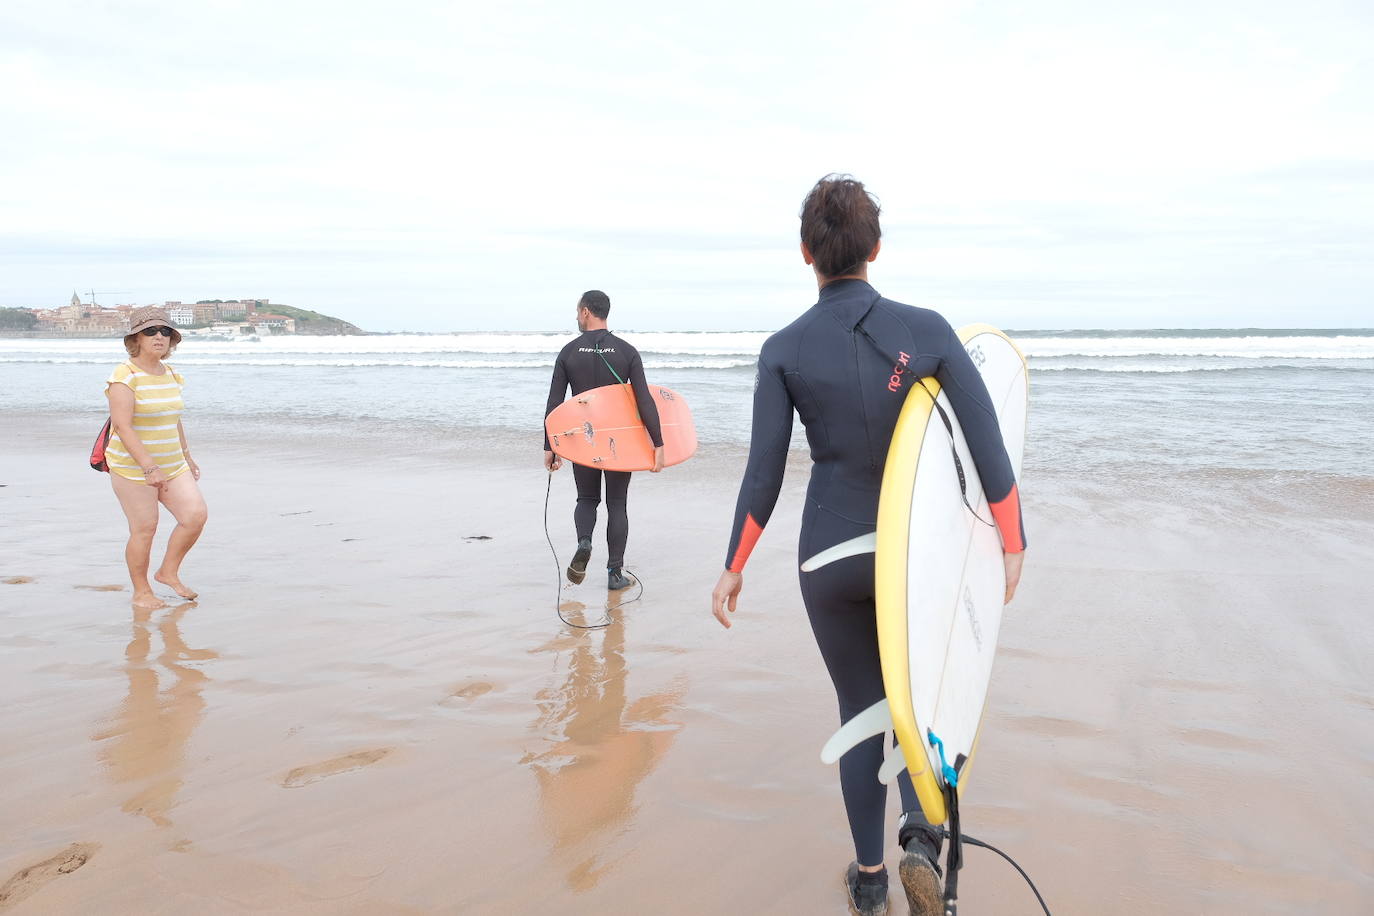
pixel 1132 402
pixel 1187 648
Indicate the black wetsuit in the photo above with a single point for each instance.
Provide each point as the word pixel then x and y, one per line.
pixel 846 366
pixel 587 362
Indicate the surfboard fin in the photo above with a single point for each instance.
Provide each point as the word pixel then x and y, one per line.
pixel 864 543
pixel 892 766
pixel 874 720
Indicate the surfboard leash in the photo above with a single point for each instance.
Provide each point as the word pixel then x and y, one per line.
pixel 973 841
pixel 954 452
pixel 954 833
pixel 954 859
pixel 558 571
pixel 601 353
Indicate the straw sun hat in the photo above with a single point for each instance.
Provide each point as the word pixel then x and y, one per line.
pixel 148 316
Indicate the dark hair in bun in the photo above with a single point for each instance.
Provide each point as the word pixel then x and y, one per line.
pixel 839 224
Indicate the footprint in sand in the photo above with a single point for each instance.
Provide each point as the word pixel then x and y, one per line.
pixel 18 580
pixel 468 692
pixel 100 588
pixel 304 776
pixel 28 880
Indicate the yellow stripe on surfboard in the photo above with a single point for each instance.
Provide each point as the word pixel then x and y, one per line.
pixel 890 583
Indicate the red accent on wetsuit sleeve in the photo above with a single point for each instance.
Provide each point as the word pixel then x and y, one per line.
pixel 1006 513
pixel 747 539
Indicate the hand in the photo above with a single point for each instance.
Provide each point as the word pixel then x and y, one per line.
pixel 552 462
pixel 658 460
pixel 195 468
pixel 1011 562
pixel 727 588
pixel 155 477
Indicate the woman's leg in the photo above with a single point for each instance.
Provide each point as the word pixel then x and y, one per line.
pixel 839 603
pixel 842 619
pixel 139 502
pixel 181 495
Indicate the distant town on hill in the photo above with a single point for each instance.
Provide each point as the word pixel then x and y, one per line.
pixel 206 318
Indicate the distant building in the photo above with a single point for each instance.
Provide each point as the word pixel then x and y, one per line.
pixel 182 315
pixel 235 310
pixel 205 312
pixel 273 324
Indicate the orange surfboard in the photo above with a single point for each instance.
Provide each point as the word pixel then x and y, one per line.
pixel 600 428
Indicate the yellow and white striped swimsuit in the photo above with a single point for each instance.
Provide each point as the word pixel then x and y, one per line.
pixel 157 408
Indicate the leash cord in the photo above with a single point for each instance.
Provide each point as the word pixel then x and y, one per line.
pixel 973 841
pixel 558 573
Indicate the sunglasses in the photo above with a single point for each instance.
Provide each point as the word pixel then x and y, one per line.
pixel 160 329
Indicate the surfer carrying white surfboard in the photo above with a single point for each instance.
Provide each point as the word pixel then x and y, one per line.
pixel 846 366
pixel 596 358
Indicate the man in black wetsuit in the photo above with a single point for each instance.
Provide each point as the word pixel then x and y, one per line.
pixel 597 358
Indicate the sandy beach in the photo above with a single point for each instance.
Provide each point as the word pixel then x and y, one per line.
pixel 373 707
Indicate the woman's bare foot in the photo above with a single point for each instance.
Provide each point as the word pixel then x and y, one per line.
pixel 176 585
pixel 148 601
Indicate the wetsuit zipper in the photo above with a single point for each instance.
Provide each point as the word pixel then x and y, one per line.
pixel 863 399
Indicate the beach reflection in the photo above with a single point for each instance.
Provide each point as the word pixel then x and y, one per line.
pixel 147 743
pixel 598 746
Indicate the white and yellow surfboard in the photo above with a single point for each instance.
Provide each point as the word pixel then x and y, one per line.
pixel 939 579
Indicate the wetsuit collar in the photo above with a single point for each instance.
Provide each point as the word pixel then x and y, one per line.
pixel 848 300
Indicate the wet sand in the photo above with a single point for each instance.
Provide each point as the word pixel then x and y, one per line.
pixel 371 710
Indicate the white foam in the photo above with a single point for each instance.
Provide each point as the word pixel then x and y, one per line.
pixel 685 350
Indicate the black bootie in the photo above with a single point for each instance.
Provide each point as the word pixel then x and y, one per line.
pixel 577 569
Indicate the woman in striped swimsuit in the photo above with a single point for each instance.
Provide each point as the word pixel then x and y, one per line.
pixel 148 455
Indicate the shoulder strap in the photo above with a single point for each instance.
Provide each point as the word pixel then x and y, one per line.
pixel 605 360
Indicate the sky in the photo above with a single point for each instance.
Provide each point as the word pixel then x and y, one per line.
pixel 461 166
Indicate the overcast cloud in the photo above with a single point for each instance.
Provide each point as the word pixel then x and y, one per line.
pixel 437 166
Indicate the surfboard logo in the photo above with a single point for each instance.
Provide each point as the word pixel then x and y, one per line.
pixel 976 354
pixel 588 431
pixel 665 394
pixel 972 613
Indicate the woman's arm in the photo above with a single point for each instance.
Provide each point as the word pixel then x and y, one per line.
pixel 758 492
pixel 121 398
pixel 186 451
pixel 960 379
pixel 770 436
